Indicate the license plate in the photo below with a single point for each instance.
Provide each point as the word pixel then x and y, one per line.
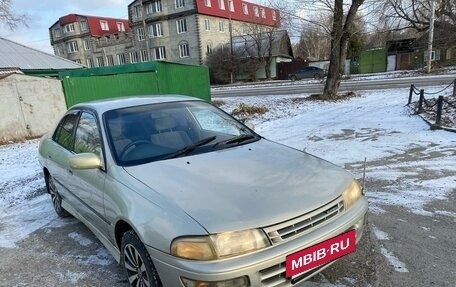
pixel 324 252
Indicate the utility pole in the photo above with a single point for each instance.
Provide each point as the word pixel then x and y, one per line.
pixel 431 36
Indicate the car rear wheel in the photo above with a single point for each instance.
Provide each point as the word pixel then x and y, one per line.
pixel 293 78
pixel 55 197
pixel 137 262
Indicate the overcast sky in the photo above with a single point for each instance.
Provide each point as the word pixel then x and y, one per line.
pixel 43 13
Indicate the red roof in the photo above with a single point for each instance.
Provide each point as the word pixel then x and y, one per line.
pixel 266 15
pixel 94 24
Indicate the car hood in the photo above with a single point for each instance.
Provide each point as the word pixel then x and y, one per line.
pixel 249 186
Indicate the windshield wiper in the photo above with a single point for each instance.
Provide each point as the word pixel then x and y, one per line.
pixel 236 139
pixel 190 147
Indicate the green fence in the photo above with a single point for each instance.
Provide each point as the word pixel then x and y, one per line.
pixel 372 61
pixel 152 78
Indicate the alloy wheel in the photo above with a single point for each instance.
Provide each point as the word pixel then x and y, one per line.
pixel 136 269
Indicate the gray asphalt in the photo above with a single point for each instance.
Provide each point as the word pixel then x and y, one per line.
pixel 301 87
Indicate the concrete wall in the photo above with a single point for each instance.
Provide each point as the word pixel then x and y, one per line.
pixel 30 106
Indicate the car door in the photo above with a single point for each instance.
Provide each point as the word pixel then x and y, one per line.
pixel 88 184
pixel 58 155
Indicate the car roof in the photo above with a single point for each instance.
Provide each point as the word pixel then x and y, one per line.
pixel 104 105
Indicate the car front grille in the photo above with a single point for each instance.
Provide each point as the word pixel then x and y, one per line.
pixel 274 276
pixel 300 225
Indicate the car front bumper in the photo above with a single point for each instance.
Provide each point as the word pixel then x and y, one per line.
pixel 265 267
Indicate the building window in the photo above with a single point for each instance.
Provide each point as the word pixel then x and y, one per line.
pixel 155 30
pixel 133 57
pixel 121 59
pixel 83 26
pixel 104 25
pixel 181 26
pixel 110 59
pixel 231 5
pixel 221 4
pixel 57 33
pixel 208 3
pixel 69 28
pixel 90 63
pixel 209 48
pixel 158 53
pixel 245 8
pixel 144 56
pixel 263 13
pixel 77 61
pixel 274 15
pixel 222 26
pixel 72 47
pixel 60 50
pixel 100 62
pixel 207 24
pixel 256 12
pixel 138 11
pixel 86 44
pixel 184 51
pixel 180 3
pixel 120 27
pixel 154 7
pixel 245 29
pixel 141 35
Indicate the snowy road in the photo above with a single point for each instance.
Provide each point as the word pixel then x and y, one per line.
pixel 411 186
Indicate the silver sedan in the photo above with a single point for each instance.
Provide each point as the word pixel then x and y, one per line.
pixel 182 194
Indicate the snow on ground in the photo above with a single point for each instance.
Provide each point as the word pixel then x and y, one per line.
pixel 393 260
pixel 413 164
pixel 399 148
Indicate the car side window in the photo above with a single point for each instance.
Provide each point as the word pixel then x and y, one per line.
pixel 64 134
pixel 87 138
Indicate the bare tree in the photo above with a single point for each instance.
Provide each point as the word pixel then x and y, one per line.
pixel 221 64
pixel 340 36
pixel 256 44
pixel 415 15
pixel 8 17
pixel 315 39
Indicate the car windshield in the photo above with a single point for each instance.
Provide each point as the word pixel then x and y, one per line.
pixel 147 133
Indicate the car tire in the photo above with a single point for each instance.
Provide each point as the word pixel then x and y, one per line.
pixel 55 197
pixel 293 78
pixel 137 262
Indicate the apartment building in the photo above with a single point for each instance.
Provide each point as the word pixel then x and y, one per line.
pixel 93 41
pixel 182 31
pixel 186 31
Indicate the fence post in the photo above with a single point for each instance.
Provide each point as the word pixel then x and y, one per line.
pixel 439 111
pixel 420 103
pixel 412 89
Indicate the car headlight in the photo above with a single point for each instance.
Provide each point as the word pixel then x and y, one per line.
pixel 220 245
pixel 351 194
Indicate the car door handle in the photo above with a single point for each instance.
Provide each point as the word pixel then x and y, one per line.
pixel 70 171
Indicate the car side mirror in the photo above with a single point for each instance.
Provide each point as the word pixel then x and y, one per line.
pixel 85 161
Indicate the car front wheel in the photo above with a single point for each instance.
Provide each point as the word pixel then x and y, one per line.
pixel 56 198
pixel 318 76
pixel 137 262
pixel 293 78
